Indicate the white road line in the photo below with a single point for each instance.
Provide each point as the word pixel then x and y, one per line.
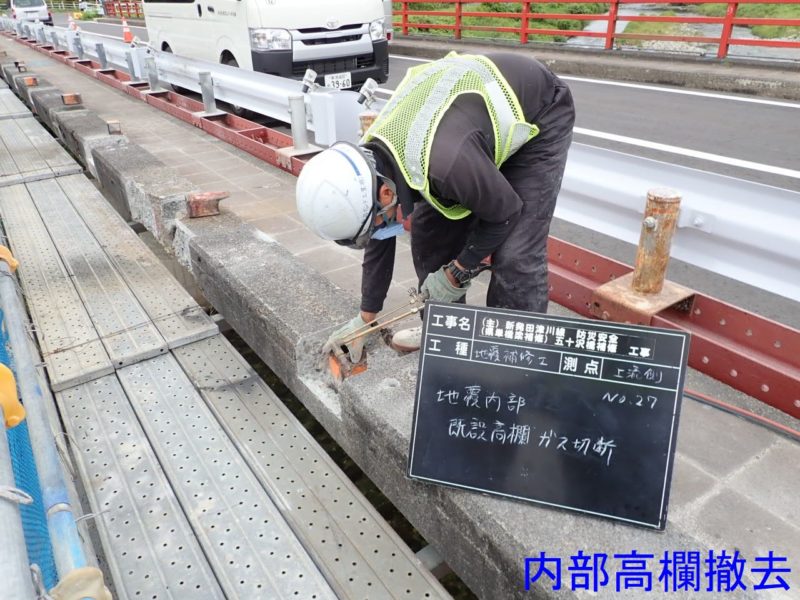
pixel 725 160
pixel 684 92
pixel 654 88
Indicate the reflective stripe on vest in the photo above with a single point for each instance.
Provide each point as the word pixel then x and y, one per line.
pixel 409 121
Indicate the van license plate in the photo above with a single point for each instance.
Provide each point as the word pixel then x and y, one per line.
pixel 339 81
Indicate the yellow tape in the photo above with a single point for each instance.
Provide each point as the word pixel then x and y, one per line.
pixel 5 254
pixel 9 401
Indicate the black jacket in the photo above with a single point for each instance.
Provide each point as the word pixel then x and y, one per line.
pixel 462 171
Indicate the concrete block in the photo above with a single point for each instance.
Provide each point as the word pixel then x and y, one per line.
pixel 159 200
pixel 281 305
pixel 47 102
pixel 20 84
pixel 142 188
pixel 9 69
pixel 108 164
pixel 82 131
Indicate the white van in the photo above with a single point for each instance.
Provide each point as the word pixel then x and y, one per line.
pixel 27 10
pixel 344 41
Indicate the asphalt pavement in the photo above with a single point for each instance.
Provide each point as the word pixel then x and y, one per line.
pixel 731 127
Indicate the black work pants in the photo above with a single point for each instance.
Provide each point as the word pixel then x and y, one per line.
pixel 519 266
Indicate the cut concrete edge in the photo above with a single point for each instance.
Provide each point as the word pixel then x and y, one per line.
pixel 145 189
pixel 484 539
pixel 82 131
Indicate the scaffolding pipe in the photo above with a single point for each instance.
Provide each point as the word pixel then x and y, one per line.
pixel 15 572
pixel 67 546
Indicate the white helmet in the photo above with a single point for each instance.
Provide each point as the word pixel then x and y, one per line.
pixel 336 195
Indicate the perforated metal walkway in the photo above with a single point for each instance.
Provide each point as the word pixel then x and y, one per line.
pixel 203 484
pixel 29 153
pixel 11 107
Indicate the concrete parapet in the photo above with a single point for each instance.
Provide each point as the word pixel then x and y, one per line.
pixel 82 131
pixel 9 69
pixel 283 305
pixel 47 102
pixel 284 310
pixel 26 83
pixel 142 188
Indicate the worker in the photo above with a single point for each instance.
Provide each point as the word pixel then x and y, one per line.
pixel 474 149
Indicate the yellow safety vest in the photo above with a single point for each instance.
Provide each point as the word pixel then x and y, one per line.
pixel 408 122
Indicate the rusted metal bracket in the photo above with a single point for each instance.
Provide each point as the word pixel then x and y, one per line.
pixel 618 301
pixel 205 204
pixel 638 296
pixel 744 350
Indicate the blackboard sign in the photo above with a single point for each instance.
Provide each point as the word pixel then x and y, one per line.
pixel 570 413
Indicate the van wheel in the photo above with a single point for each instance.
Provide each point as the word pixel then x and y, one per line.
pixel 236 110
pixel 175 88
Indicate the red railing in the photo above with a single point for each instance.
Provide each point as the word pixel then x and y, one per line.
pixel 129 10
pixel 520 22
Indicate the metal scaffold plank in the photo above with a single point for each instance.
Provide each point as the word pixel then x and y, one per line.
pixel 71 347
pixel 125 329
pixel 251 548
pixel 174 312
pixel 148 542
pixel 11 107
pixel 356 549
pixel 29 153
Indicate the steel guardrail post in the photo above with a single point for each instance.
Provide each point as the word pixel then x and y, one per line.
pixel 79 46
pixel 131 67
pixel 297 112
pixel 138 56
pixel 207 91
pixel 101 55
pixel 152 73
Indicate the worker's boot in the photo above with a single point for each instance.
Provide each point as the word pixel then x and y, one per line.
pixel 407 340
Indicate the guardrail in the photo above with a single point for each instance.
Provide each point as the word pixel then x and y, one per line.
pixel 742 230
pixel 332 115
pixel 524 20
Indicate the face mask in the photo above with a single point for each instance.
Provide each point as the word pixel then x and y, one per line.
pixel 388 231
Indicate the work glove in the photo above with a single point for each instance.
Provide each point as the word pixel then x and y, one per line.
pixel 437 287
pixel 355 348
